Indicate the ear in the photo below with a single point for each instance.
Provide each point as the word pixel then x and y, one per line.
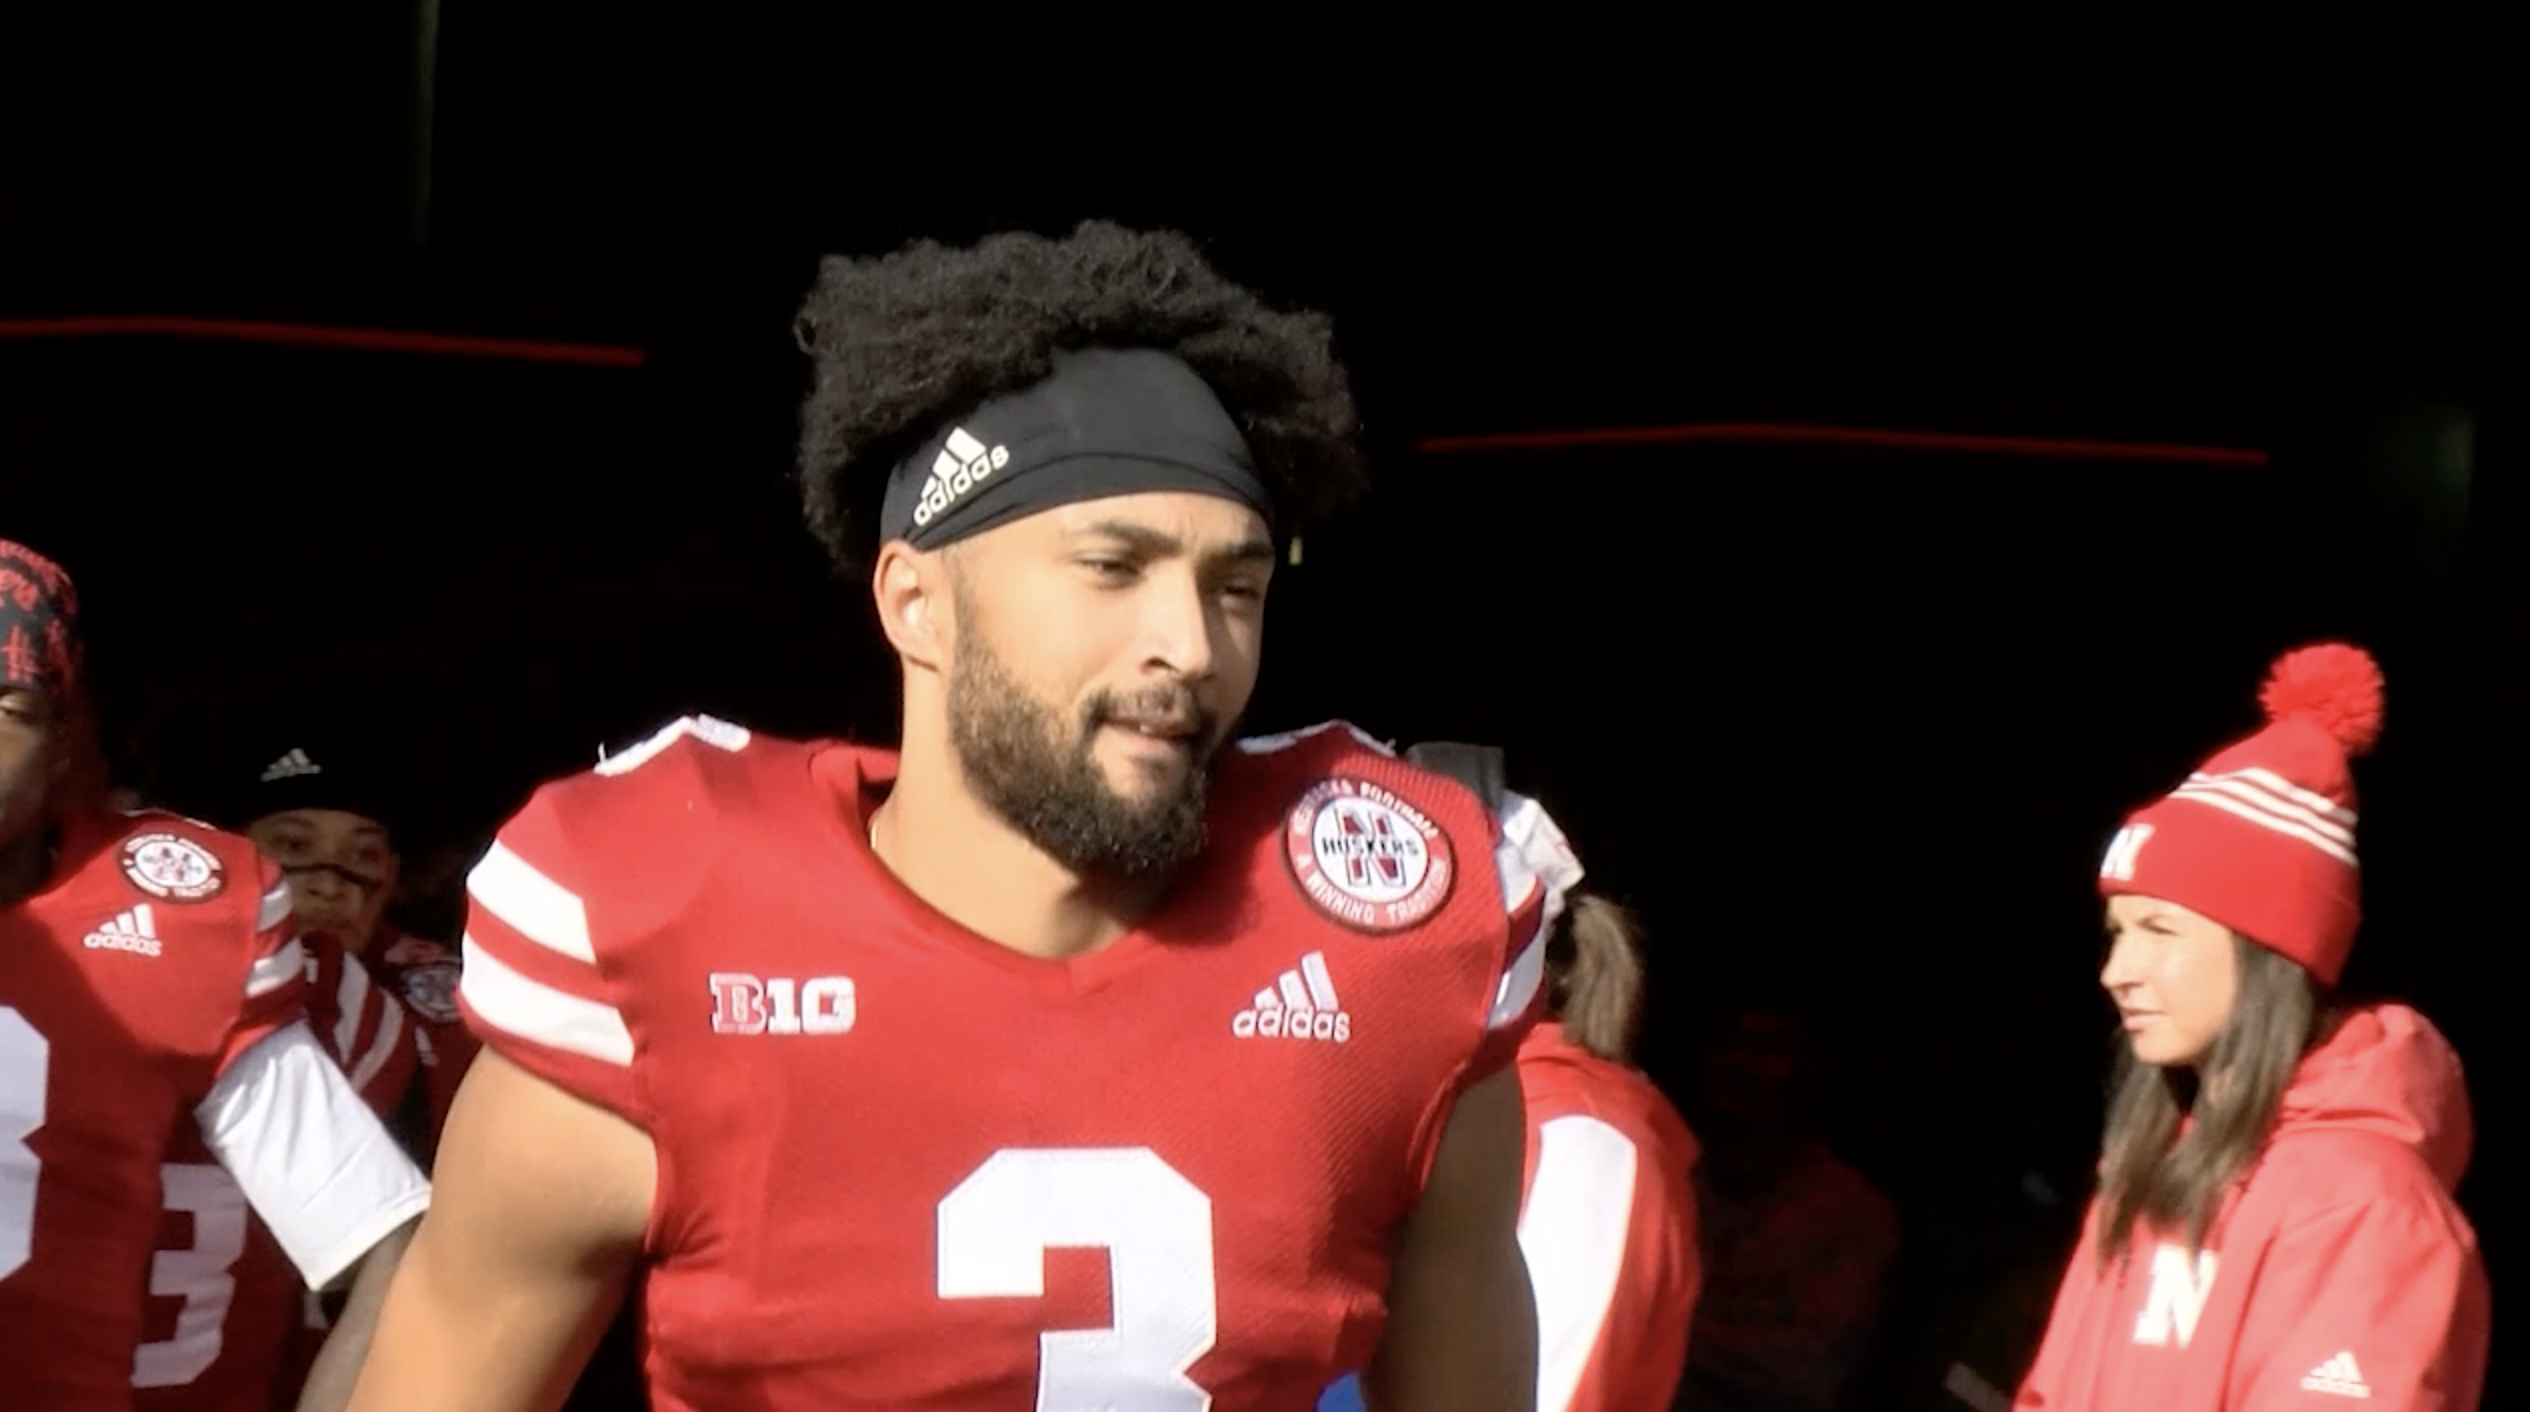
pixel 911 590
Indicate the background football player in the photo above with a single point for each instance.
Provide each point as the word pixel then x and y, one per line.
pixel 151 980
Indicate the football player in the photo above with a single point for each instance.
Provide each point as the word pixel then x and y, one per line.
pixel 318 808
pixel 1074 1055
pixel 150 986
pixel 383 1006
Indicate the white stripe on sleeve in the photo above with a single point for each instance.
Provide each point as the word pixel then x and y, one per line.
pixel 532 1010
pixel 535 906
pixel 271 973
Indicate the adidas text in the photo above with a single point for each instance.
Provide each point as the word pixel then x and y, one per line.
pixel 962 466
pixel 1292 1024
pixel 135 931
pixel 1300 1004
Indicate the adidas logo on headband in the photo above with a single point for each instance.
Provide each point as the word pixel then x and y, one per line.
pixel 963 465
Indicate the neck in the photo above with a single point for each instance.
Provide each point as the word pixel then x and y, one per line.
pixel 25 862
pixel 966 861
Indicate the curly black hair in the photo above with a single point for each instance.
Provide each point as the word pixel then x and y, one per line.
pixel 906 342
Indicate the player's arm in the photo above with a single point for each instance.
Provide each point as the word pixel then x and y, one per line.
pixel 532 1236
pixel 1462 1326
pixel 317 1166
pixel 337 1365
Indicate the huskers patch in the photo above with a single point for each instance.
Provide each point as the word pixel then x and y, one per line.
pixel 1366 857
pixel 172 867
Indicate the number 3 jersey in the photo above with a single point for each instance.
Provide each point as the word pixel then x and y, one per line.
pixel 138 991
pixel 901 1166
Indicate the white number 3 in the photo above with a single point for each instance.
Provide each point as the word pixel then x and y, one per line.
pixel 1156 1228
pixel 24 1060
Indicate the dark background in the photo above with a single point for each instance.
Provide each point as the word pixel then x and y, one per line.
pixel 1846 720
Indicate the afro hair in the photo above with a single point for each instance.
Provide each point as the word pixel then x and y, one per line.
pixel 904 343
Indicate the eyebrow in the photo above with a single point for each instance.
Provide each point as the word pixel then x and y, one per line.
pixel 1159 544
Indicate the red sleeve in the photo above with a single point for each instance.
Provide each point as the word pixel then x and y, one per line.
pixel 1599 1234
pixel 2383 1300
pixel 274 989
pixel 533 988
pixel 359 1021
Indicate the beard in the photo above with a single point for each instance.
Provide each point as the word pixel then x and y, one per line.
pixel 1036 770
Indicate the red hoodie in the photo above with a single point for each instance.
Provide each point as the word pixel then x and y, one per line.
pixel 2340 1272
pixel 1608 1227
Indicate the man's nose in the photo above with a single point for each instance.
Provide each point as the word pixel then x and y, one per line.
pixel 1180 627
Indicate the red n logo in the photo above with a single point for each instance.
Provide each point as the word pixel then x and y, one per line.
pixel 1372 843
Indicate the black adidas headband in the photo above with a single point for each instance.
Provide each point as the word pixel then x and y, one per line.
pixel 1106 421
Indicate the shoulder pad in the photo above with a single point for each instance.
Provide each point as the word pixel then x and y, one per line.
pixel 709 730
pixel 1285 740
pixel 1479 767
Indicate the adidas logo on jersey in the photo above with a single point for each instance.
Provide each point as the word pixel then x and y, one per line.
pixel 2338 1376
pixel 135 931
pixel 1301 1004
pixel 962 466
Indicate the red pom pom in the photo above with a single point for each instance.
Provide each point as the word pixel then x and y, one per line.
pixel 2335 684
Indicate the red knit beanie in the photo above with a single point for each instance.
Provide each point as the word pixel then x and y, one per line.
pixel 2261 839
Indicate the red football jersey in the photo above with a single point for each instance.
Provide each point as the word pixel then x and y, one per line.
pixel 159 952
pixel 902 1166
pixel 230 1323
pixel 423 975
pixel 1608 1227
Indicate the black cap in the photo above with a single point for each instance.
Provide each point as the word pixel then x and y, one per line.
pixel 306 770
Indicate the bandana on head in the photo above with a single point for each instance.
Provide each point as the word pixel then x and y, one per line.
pixel 1106 421
pixel 39 622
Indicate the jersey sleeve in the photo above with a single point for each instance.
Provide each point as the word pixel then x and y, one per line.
pixel 1574 1232
pixel 360 1022
pixel 532 987
pixel 2378 1300
pixel 314 1161
pixel 274 991
pixel 1538 870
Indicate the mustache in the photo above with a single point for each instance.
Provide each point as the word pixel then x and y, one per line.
pixel 1174 709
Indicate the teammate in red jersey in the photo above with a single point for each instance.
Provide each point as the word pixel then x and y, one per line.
pixel 1073 1058
pixel 1609 1223
pixel 318 808
pixel 1608 1219
pixel 150 986
pixel 375 999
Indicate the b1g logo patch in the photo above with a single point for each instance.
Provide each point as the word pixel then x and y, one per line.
pixel 430 991
pixel 1366 857
pixel 173 867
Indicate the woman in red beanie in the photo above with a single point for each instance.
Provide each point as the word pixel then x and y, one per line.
pixel 2274 1225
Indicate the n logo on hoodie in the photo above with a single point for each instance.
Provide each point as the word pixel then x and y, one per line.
pixel 2179 1290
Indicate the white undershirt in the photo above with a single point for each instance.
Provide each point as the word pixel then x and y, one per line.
pixel 313 1160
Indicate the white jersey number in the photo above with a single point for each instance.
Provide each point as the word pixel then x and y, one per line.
pixel 1156 1228
pixel 203 1276
pixel 26 1061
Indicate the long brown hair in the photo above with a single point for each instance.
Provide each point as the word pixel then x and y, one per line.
pixel 2177 1138
pixel 1594 974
